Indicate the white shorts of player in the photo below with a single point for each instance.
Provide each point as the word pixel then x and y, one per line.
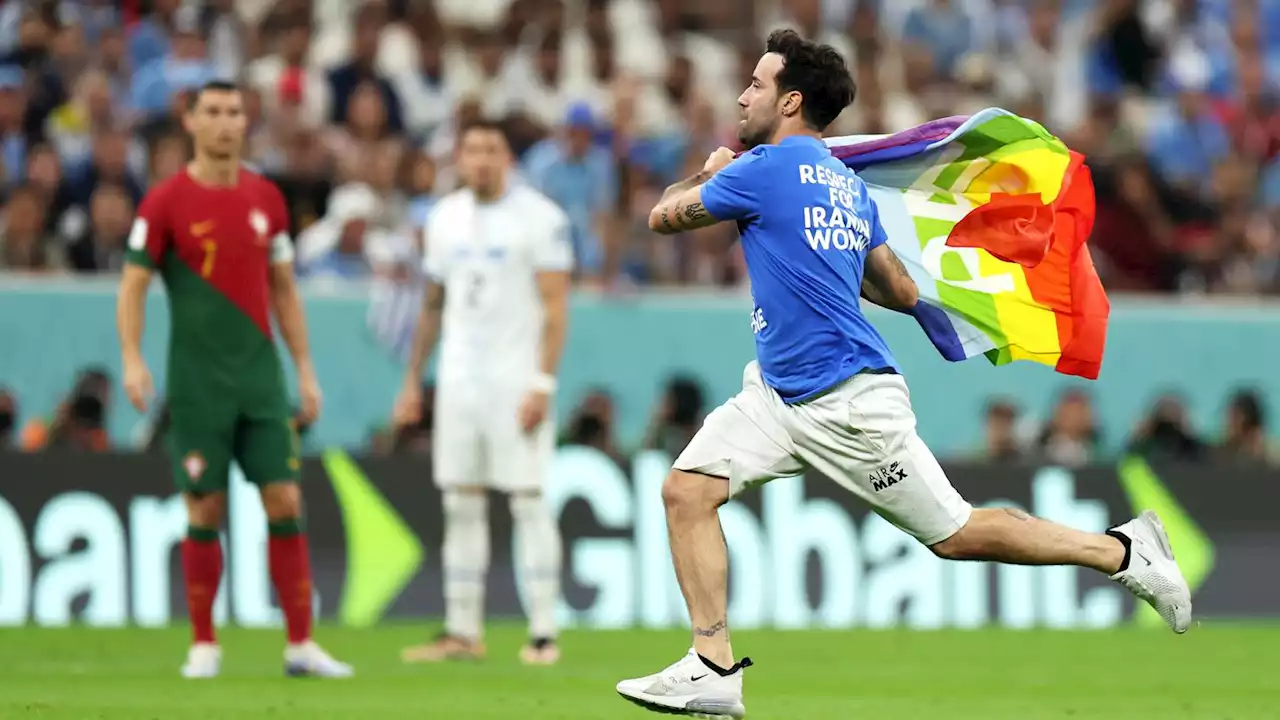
pixel 478 440
pixel 862 434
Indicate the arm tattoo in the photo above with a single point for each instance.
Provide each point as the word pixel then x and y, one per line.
pixel 897 265
pixel 881 284
pixel 694 212
pixel 712 631
pixel 685 184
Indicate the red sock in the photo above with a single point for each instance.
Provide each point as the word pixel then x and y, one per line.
pixel 202 571
pixel 291 574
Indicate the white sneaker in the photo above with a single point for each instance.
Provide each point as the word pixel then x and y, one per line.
pixel 204 660
pixel 1153 575
pixel 689 687
pixel 310 660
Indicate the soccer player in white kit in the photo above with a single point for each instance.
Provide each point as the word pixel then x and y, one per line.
pixel 825 391
pixel 498 258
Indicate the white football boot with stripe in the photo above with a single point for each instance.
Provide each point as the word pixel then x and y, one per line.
pixel 204 660
pixel 1152 574
pixel 690 687
pixel 308 659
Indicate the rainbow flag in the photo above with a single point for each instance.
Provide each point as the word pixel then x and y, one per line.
pixel 990 214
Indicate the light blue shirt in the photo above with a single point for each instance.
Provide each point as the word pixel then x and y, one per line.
pixel 582 187
pixel 807 224
pixel 155 84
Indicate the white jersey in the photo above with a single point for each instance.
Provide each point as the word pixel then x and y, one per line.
pixel 488 256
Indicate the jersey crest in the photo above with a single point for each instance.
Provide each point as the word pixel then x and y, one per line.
pixel 194 464
pixel 258 221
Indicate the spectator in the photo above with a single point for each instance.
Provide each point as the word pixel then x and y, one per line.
pixel 8 419
pixel 288 86
pixel 677 417
pixel 13 108
pixel 102 247
pixel 110 164
pixel 580 177
pixel 113 61
pixel 68 51
pixel 1001 443
pixel 24 243
pixel 228 41
pixel 91 109
pixel 1187 140
pixel 44 175
pixel 96 18
pixel 941 31
pixel 185 66
pixel 384 173
pixel 169 155
pixel 79 422
pixel 340 245
pixel 305 180
pixel 1167 433
pixel 427 95
pixel 149 38
pixel 592 425
pixel 345 81
pixel 44 89
pixel 1246 428
pixel 359 139
pixel 1071 438
pixel 422 184
pixel 542 96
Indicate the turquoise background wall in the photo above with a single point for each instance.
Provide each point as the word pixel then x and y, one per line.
pixel 49 329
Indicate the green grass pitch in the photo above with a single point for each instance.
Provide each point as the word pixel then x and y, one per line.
pixel 1228 672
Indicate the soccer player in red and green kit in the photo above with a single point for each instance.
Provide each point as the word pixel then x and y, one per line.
pixel 218 236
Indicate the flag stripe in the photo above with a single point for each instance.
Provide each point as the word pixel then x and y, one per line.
pixel 991 213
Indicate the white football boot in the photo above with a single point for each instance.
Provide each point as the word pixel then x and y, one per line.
pixel 204 660
pixel 309 660
pixel 690 687
pixel 1152 574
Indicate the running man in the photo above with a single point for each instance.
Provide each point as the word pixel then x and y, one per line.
pixel 825 392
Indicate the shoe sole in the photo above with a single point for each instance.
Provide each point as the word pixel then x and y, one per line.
pixel 685 712
pixel 1152 520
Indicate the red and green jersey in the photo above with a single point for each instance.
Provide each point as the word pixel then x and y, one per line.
pixel 214 248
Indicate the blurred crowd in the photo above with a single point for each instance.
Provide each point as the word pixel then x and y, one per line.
pixel 353 103
pixel 1069 435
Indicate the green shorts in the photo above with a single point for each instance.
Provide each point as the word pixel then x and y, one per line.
pixel 204 439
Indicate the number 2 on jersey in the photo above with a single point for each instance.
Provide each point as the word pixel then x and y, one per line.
pixel 210 256
pixel 475 284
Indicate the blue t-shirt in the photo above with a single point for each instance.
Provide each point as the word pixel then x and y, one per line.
pixel 807 224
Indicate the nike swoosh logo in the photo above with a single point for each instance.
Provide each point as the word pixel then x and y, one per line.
pixel 201 228
pixel 696 678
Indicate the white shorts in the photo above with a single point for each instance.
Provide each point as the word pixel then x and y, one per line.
pixel 862 434
pixel 477 440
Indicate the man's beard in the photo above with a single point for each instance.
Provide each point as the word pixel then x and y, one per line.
pixel 751 137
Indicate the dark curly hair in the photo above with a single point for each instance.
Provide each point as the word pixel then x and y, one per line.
pixel 817 72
